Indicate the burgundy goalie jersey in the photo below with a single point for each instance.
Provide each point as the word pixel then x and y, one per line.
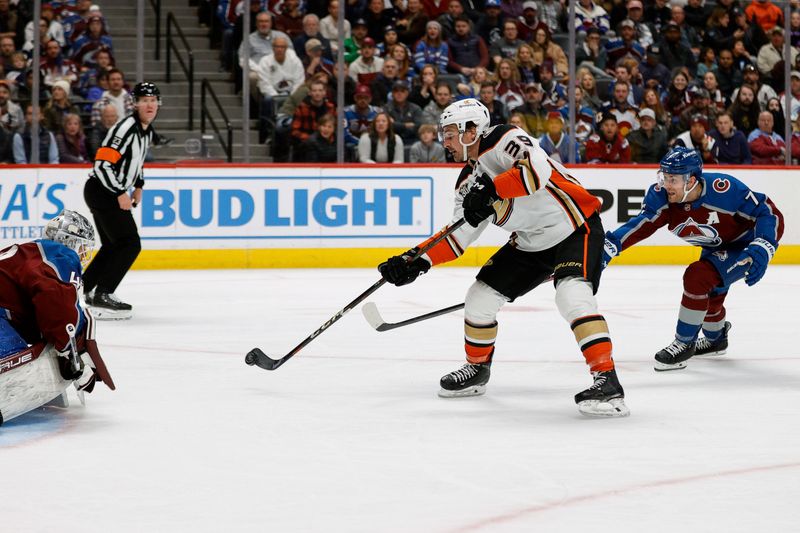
pixel 40 283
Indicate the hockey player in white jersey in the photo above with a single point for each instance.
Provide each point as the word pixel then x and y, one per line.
pixel 509 181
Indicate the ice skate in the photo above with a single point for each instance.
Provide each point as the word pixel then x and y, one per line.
pixel 674 356
pixel 605 398
pixel 469 380
pixel 106 306
pixel 719 346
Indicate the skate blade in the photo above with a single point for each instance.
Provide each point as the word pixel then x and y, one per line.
pixel 100 313
pixel 604 409
pixel 658 366
pixel 711 354
pixel 476 390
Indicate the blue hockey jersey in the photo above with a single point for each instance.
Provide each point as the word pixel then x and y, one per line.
pixel 727 214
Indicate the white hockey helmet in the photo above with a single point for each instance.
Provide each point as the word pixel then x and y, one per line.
pixel 74 231
pixel 462 113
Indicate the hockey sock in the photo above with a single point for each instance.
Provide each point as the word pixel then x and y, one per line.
pixel 479 342
pixel 714 323
pixel 699 280
pixel 591 333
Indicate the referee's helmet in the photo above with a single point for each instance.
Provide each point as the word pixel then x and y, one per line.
pixel 146 88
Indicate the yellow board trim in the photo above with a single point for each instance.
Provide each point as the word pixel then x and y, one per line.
pixel 371 257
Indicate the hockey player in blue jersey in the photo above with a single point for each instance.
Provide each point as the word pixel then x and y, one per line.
pixel 738 230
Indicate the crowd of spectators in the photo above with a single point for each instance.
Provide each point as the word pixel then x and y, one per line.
pixel 81 94
pixel 651 74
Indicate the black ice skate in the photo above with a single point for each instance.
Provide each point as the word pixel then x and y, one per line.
pixel 716 347
pixel 674 356
pixel 469 380
pixel 604 398
pixel 106 306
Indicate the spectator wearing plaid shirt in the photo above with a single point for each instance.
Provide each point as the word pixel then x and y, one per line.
pixel 116 95
pixel 308 113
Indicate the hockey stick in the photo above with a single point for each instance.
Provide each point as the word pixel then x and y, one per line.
pixel 257 357
pixel 374 318
pixel 370 311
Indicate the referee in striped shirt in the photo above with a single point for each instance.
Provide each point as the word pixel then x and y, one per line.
pixel 118 168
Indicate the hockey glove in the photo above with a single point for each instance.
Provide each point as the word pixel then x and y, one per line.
pixel 610 248
pixel 86 382
pixel 760 251
pixel 401 270
pixel 66 368
pixel 478 201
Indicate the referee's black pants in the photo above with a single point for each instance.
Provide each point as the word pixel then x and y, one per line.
pixel 119 239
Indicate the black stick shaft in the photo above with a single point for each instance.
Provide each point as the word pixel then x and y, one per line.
pixel 386 326
pixel 259 358
pixel 335 318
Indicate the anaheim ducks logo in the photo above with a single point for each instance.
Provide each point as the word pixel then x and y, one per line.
pixel 697 234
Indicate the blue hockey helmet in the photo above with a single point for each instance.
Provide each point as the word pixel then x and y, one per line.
pixel 682 161
pixel 685 163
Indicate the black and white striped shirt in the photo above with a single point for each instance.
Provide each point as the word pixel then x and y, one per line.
pixel 119 160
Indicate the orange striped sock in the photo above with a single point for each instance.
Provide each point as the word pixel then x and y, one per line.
pixel 591 333
pixel 479 342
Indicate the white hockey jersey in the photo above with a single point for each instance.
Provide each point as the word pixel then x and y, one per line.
pixel 541 203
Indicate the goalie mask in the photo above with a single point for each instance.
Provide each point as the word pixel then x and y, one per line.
pixel 74 231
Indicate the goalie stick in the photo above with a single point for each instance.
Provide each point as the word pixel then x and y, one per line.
pixel 257 357
pixel 370 312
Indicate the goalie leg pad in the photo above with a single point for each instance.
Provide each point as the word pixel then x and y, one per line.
pixel 29 379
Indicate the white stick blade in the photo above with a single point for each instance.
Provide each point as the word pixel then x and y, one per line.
pixel 370 312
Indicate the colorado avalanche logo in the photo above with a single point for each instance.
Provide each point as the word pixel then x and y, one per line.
pixel 722 255
pixel 721 185
pixel 697 234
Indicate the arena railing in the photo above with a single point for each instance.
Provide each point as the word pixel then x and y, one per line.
pixel 206 88
pixel 188 70
pixel 156 4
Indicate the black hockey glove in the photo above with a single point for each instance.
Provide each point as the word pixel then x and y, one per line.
pixel 66 368
pixel 478 201
pixel 400 270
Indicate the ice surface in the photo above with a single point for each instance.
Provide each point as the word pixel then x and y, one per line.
pixel 349 435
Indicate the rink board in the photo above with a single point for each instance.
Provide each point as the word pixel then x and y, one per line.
pixel 282 216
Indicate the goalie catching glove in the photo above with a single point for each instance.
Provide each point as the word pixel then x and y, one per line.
pixel 401 270
pixel 478 201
